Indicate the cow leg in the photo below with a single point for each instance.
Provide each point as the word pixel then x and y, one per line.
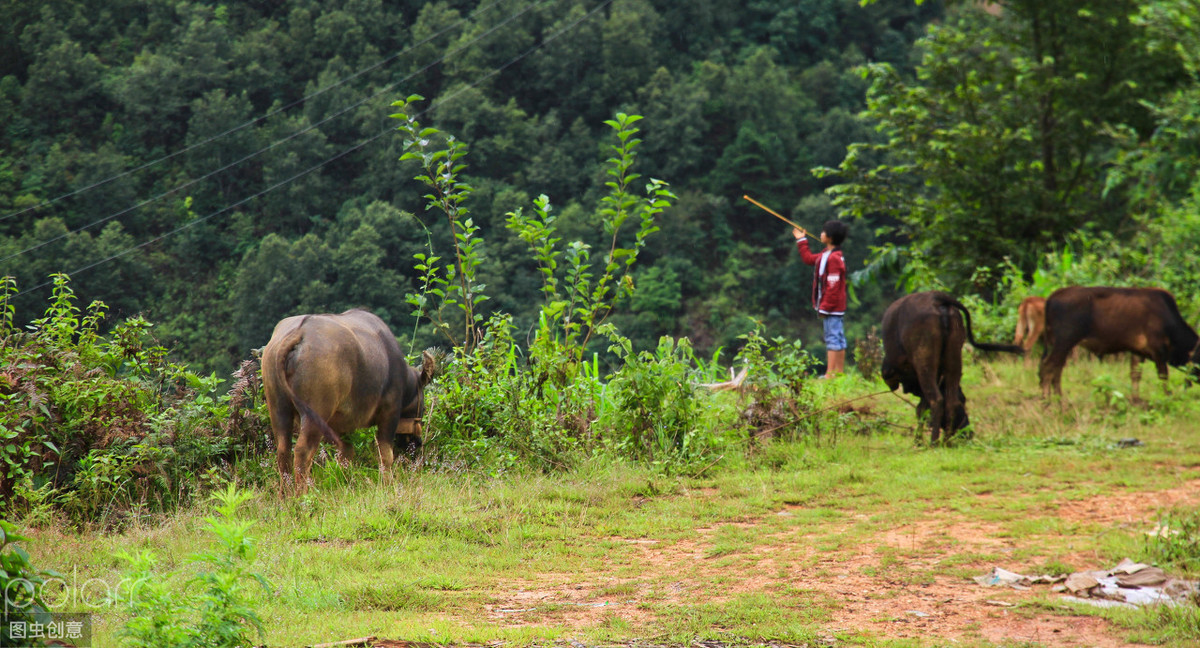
pixel 385 448
pixel 386 457
pixel 950 381
pixel 306 448
pixel 922 417
pixel 1161 365
pixel 936 404
pixel 386 423
pixel 1024 338
pixel 1135 376
pixel 1050 369
pixel 283 461
pixel 283 423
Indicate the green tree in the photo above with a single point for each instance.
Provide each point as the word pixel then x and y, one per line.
pixel 305 195
pixel 629 52
pixel 275 280
pixel 63 77
pixel 213 117
pixel 1162 169
pixel 676 124
pixel 564 71
pixel 997 148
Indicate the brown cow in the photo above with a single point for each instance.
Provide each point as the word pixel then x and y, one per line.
pixel 333 374
pixel 1031 320
pixel 1143 321
pixel 923 335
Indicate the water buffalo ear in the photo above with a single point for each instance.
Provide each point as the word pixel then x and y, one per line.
pixel 428 366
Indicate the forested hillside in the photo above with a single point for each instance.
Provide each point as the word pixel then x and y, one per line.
pixel 218 167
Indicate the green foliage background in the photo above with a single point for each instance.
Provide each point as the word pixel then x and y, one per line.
pixel 175 100
pixel 215 168
pixel 212 169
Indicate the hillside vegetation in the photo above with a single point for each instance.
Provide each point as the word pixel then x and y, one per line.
pixel 792 539
pixel 218 167
pixel 246 169
pixel 547 193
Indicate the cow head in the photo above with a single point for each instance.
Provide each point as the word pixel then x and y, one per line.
pixel 890 376
pixel 894 378
pixel 1193 370
pixel 960 421
pixel 960 415
pixel 409 432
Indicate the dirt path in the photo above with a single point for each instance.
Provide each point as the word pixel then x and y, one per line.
pixel 902 601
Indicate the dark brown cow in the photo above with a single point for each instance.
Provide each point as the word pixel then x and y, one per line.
pixel 923 335
pixel 1031 320
pixel 333 374
pixel 1143 321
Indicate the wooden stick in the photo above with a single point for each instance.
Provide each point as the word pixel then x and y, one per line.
pixel 734 382
pixel 347 642
pixel 777 215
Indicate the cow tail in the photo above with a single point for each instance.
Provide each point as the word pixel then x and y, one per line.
pixel 983 346
pixel 286 346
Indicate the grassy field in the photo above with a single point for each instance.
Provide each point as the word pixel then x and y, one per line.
pixel 862 538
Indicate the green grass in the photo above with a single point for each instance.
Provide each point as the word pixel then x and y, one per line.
pixel 438 554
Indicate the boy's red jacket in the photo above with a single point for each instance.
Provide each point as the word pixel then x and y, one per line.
pixel 829 278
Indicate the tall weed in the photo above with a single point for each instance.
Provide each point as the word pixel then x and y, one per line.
pixel 780 389
pixel 455 290
pixel 1175 543
pixel 218 610
pixel 549 406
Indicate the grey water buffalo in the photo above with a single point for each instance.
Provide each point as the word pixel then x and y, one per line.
pixel 1142 321
pixel 923 336
pixel 328 375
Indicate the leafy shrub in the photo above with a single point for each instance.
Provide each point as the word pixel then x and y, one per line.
pixel 656 407
pixel 868 354
pixel 779 387
pixel 104 426
pixel 488 411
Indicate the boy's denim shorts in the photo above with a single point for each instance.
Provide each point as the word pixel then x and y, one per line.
pixel 835 334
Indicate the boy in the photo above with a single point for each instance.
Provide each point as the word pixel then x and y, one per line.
pixel 829 289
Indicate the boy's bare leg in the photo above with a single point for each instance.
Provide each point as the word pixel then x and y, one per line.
pixel 835 362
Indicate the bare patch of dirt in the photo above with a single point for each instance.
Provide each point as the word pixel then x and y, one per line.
pixel 884 584
pixel 1129 508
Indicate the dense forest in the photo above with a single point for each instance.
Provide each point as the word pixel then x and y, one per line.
pixel 216 167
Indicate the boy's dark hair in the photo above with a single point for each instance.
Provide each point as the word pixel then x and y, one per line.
pixel 836 230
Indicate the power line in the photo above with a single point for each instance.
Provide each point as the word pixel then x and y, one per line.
pixel 239 127
pixel 337 156
pixel 385 89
